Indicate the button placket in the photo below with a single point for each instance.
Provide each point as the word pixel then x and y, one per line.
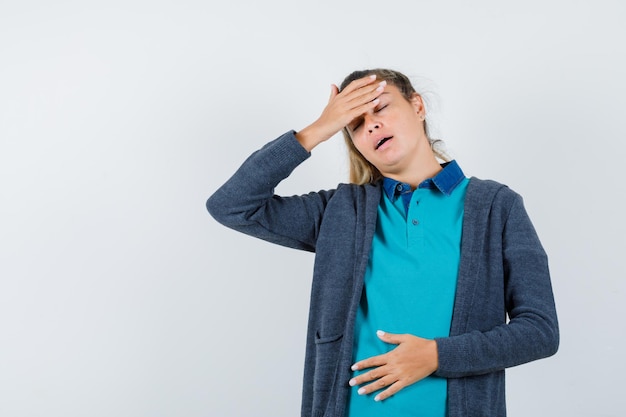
pixel 415 230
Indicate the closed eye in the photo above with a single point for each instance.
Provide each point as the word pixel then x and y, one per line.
pixel 357 124
pixel 377 110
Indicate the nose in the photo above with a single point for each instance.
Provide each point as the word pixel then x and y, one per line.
pixel 371 123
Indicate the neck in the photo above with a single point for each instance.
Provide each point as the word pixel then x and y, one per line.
pixel 422 166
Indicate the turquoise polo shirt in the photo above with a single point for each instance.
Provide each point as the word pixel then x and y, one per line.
pixel 410 283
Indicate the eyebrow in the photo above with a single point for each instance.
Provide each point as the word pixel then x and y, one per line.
pixel 384 92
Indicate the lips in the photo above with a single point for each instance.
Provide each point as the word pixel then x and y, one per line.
pixel 381 142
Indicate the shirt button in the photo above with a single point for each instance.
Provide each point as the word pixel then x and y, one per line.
pixel 399 187
pixel 415 222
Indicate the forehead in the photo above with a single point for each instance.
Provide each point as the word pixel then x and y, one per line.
pixel 393 92
pixel 392 89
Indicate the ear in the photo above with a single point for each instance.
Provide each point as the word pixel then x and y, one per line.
pixel 418 104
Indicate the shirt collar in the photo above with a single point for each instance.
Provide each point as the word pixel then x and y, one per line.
pixel 445 181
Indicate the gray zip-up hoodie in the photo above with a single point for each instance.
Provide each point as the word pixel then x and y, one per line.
pixel 503 273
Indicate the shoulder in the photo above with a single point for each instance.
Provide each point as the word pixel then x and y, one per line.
pixel 490 190
pixel 356 189
pixel 357 194
pixel 353 198
pixel 491 199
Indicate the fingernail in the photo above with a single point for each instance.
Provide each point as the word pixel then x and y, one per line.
pixel 373 76
pixel 377 398
pixel 355 367
pixel 352 382
pixel 380 333
pixel 382 83
pixel 361 391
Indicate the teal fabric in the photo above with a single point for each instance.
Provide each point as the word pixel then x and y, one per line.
pixel 409 287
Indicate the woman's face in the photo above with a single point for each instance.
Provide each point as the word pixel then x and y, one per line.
pixel 390 135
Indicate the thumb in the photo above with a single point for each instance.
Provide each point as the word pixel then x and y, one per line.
pixel 394 339
pixel 334 90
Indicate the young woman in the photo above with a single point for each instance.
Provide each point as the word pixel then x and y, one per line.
pixel 417 267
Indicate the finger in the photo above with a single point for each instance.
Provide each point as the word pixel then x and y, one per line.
pixel 365 91
pixel 362 108
pixel 394 339
pixel 365 94
pixel 363 101
pixel 358 83
pixel 374 376
pixel 356 102
pixel 374 385
pixel 370 362
pixel 333 92
pixel 365 377
pixel 393 389
pixel 377 385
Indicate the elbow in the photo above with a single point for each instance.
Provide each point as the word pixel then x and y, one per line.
pixel 212 206
pixel 549 346
pixel 550 338
pixel 553 334
pixel 217 209
pixel 225 211
pixel 554 340
pixel 540 337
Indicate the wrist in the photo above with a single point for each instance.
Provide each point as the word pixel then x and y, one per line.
pixel 434 354
pixel 311 136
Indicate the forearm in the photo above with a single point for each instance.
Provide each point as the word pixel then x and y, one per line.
pixel 258 176
pixel 313 135
pixel 505 346
pixel 246 202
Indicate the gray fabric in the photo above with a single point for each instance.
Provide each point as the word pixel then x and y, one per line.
pixel 504 270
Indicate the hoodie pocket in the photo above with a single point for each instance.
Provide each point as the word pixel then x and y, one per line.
pixel 327 350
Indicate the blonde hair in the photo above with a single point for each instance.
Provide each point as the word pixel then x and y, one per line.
pixel 361 170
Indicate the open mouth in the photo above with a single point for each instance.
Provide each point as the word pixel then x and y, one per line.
pixel 381 142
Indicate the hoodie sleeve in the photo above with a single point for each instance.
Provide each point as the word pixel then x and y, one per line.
pixel 247 203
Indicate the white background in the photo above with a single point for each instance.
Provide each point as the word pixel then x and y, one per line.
pixel 120 296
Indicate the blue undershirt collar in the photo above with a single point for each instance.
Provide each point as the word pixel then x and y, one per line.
pixel 445 181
